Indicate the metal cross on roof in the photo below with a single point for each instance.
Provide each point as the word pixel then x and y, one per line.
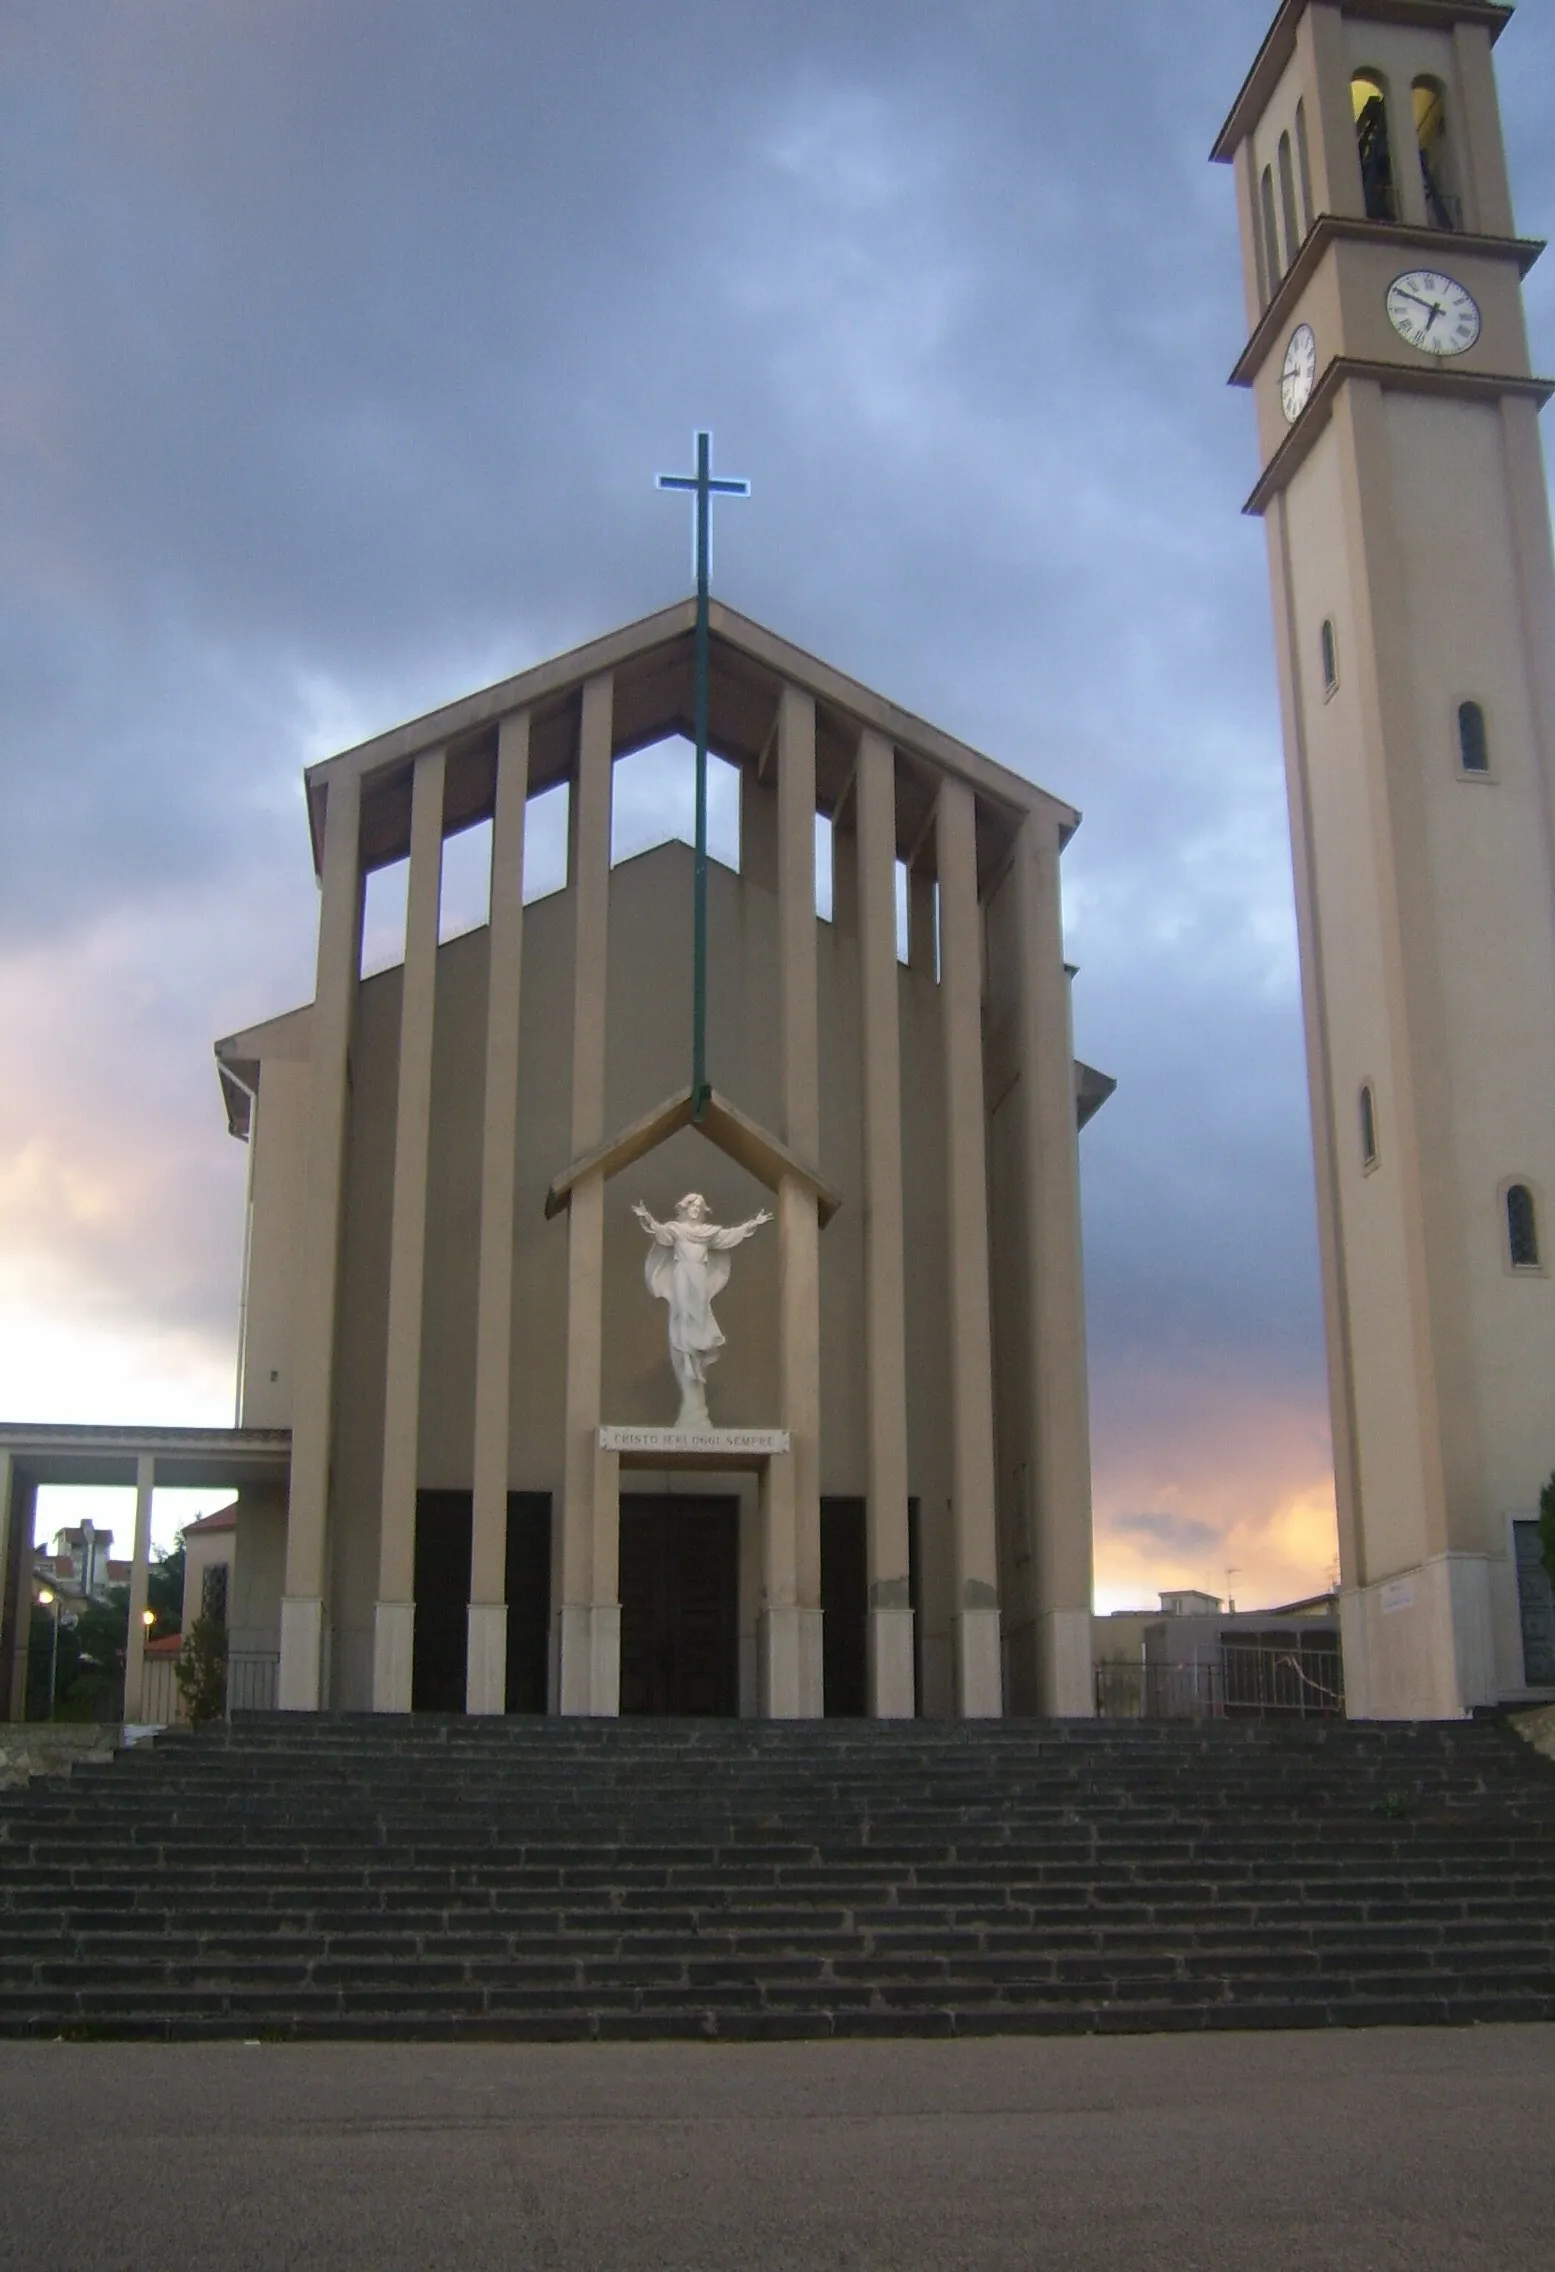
pixel 705 487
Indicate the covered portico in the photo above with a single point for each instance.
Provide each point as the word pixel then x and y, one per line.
pixel 139 1459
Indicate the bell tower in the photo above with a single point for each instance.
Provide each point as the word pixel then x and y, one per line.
pixel 1402 489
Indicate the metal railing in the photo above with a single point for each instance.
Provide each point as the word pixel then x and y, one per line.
pixel 1246 1680
pixel 250 1686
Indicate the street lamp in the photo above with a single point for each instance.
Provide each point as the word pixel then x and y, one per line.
pixel 48 1599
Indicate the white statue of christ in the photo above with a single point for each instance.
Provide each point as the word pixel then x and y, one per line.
pixel 686 1266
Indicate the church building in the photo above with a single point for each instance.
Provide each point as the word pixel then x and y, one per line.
pixel 479 1476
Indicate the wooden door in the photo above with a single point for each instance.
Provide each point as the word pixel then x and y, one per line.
pixel 680 1569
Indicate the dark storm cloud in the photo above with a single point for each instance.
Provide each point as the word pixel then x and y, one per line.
pixel 343 338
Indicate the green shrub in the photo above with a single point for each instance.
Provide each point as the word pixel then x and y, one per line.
pixel 202 1671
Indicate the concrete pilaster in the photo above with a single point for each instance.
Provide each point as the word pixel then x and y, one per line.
pixel 584 1682
pixel 486 1675
pixel 394 1621
pixel 318 1265
pixel 979 1686
pixel 17 1500
pixel 791 1498
pixel 890 1604
pixel 140 1566
pixel 1056 1389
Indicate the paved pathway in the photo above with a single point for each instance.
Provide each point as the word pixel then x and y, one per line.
pixel 1356 2152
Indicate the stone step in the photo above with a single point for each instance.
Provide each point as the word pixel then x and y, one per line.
pixel 574 1880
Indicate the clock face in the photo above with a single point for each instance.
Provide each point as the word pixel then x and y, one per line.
pixel 1433 312
pixel 1300 372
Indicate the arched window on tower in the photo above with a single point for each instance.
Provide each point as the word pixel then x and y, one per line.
pixel 1271 233
pixel 1522 1228
pixel 1370 104
pixel 1330 657
pixel 1368 1125
pixel 1304 162
pixel 1443 209
pixel 1473 741
pixel 1293 229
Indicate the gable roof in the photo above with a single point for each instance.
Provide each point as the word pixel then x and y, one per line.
pixel 760 1153
pixel 652 663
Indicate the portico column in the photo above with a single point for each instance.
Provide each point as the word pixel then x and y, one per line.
pixel 486 1661
pixel 140 1568
pixel 18 1497
pixel 1060 1513
pixel 318 1252
pixel 891 1694
pixel 791 1684
pixel 589 1622
pixel 395 1616
pixel 979 1681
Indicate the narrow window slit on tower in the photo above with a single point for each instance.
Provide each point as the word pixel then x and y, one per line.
pixel 1473 741
pixel 1330 658
pixel 1370 104
pixel 1368 1125
pixel 1304 162
pixel 1293 228
pixel 1271 232
pixel 1522 1227
pixel 1442 207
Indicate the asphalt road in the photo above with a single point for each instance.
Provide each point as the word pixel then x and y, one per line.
pixel 1361 2152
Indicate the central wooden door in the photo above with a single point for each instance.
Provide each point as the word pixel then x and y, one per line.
pixel 680 1607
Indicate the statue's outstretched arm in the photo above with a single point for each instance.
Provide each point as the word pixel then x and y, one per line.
pixel 736 1232
pixel 654 1229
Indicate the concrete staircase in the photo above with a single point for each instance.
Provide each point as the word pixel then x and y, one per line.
pixel 445 1877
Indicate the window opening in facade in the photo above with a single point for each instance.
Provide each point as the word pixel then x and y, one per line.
pixel 1442 207
pixel 213 1592
pixel 1304 163
pixel 1293 228
pixel 1330 658
pixel 1522 1227
pixel 1371 136
pixel 1368 1126
pixel 1271 232
pixel 1473 741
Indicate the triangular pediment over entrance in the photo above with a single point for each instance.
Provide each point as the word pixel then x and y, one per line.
pixel 744 1140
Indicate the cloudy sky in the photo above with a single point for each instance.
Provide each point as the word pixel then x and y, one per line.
pixel 342 339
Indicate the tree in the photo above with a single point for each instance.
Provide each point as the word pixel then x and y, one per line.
pixel 1547 1528
pixel 201 1670
pixel 165 1592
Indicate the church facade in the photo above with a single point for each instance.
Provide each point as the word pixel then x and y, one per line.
pixel 1404 497
pixel 495 1498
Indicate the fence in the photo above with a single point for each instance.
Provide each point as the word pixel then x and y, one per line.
pixel 1247 1680
pixel 250 1686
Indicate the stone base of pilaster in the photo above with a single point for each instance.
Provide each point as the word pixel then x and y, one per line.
pixel 979 1671
pixel 892 1686
pixel 299 1679
pixel 588 1678
pixel 394 1641
pixel 486 1659
pixel 1067 1673
pixel 789 1658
